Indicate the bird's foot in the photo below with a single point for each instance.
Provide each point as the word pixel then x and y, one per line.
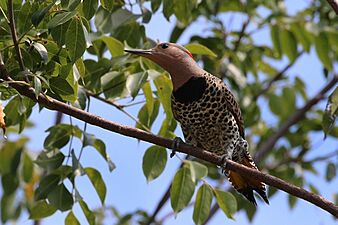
pixel 176 143
pixel 224 169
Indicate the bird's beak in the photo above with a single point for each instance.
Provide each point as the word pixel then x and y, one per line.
pixel 140 52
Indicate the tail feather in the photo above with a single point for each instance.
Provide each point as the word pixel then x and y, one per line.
pixel 247 186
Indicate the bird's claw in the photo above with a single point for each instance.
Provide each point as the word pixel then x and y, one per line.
pixel 175 145
pixel 224 164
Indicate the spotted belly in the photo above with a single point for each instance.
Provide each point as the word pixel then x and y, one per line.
pixel 207 124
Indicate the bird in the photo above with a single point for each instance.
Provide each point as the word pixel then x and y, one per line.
pixel 207 111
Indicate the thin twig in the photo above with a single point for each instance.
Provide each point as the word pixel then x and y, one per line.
pixel 95 120
pixel 294 118
pixel 15 37
pixel 241 34
pixel 277 77
pixel 119 107
pixel 323 158
pixel 334 5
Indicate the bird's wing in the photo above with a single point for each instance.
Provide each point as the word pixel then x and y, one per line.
pixel 235 110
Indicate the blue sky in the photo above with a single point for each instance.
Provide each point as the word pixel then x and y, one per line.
pixel 127 188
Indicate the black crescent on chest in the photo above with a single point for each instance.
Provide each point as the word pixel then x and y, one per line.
pixel 191 91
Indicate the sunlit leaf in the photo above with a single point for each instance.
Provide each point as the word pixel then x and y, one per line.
pixel 199 49
pixel 182 189
pixel 41 209
pixel 98 183
pixel 164 87
pixel 135 82
pixel 331 112
pixel 90 216
pixel 116 48
pixel 60 18
pixel 27 168
pixel 322 49
pixel 154 162
pixel 227 202
pixel 202 204
pixel 288 44
pixel 71 219
pixel 197 170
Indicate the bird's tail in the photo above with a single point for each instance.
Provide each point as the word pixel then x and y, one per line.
pixel 246 185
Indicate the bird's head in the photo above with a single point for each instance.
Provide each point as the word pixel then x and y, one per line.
pixel 175 59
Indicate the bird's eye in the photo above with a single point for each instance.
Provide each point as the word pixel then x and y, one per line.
pixel 164 45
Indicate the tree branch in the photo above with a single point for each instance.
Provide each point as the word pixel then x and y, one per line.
pixel 334 5
pixel 56 105
pixel 15 37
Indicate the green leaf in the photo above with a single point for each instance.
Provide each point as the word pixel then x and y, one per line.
pixel 146 120
pixel 106 22
pixel 38 16
pixel 148 93
pixel 9 183
pixel 75 39
pixel 76 165
pixel 135 82
pixel 322 49
pixel 227 202
pixel 42 51
pixel 97 181
pixel 47 185
pixel 168 8
pixel 146 14
pixel 274 33
pixel 73 4
pixel 199 49
pixel 113 84
pixel 331 171
pixel 202 204
pixel 155 5
pixel 288 44
pixel 61 198
pixel 60 18
pixel 154 162
pixel 182 189
pixel 57 138
pixel 41 209
pixel 116 48
pixel 37 86
pixel 331 113
pixel 302 35
pixel 292 201
pixel 183 10
pixel 90 216
pixel 89 139
pixel 59 35
pixel 61 86
pixel 164 87
pixel 197 170
pixel 89 8
pixel 27 168
pixel 71 219
pixel 107 4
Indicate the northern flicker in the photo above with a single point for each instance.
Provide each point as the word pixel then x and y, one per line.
pixel 207 111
